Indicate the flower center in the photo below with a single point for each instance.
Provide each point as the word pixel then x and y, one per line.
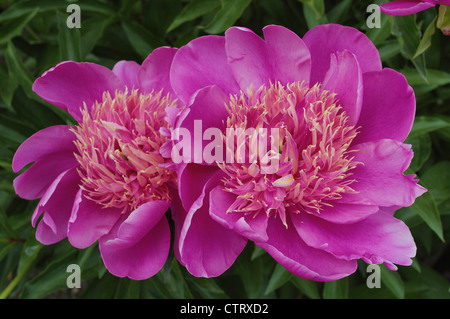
pixel 311 144
pixel 118 146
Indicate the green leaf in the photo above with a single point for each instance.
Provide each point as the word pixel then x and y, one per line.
pixel 317 6
pixel 69 41
pixel 279 277
pixel 408 35
pixel 17 70
pixel 30 252
pixel 437 179
pixel 336 289
pixel 142 40
pixel 426 208
pixel 434 77
pixel 426 124
pixel 308 287
pixel 230 12
pixel 421 146
pixel 425 42
pixel 393 281
pixel 14 28
pixel 314 12
pixel 193 10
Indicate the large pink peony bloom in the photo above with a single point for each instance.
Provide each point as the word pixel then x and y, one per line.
pixel 341 121
pixel 104 179
pixel 406 7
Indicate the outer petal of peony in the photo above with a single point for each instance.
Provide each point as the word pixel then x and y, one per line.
pixel 289 250
pixel 325 40
pixel 155 70
pixel 380 238
pixel 127 72
pixel 197 121
pixel 345 79
pixel 251 227
pixel 138 245
pixel 89 221
pixel 380 180
pixel 281 57
pixel 70 84
pixel 206 248
pixel 378 119
pixel 405 7
pixel 56 205
pixel 191 180
pixel 200 63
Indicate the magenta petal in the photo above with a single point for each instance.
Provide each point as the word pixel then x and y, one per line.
pixel 324 40
pixel 56 204
pixel 251 227
pixel 127 72
pixel 380 238
pixel 197 121
pixel 141 220
pixel 51 140
pixel 388 109
pixel 405 7
pixel 178 214
pixel 139 259
pixel 32 183
pixel 89 221
pixel 347 213
pixel 191 179
pixel 281 57
pixel 380 180
pixel 207 248
pixel 288 249
pixel 154 74
pixel 345 79
pixel 70 84
pixel 52 151
pixel 202 62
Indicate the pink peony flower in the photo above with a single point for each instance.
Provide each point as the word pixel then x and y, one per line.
pixel 104 178
pixel 406 7
pixel 341 121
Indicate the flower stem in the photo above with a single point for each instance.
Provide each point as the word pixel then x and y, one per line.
pixel 5 293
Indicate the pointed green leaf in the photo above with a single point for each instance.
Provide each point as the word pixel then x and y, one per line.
pixel 337 289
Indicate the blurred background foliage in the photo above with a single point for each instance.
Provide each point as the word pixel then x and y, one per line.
pixel 34 37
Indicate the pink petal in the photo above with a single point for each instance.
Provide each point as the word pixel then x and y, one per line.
pixel 200 63
pixel 212 99
pixel 289 250
pixel 191 180
pixel 380 180
pixel 56 204
pixel 141 220
pixel 154 74
pixel 70 84
pixel 89 221
pixel 249 226
pixel 342 213
pixel 405 7
pixel 324 40
pixel 207 248
pixel 380 238
pixel 32 183
pixel 139 259
pixel 127 72
pixel 281 57
pixel 178 214
pixel 388 109
pixel 49 141
pixel 345 79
